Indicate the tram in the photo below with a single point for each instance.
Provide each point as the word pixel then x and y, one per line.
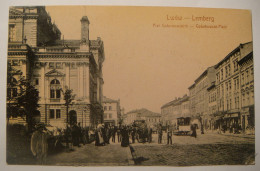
pixel 184 125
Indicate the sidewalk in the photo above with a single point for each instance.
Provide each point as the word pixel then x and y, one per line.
pixel 241 135
pixel 91 155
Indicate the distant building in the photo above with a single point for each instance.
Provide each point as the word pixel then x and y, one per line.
pixel 180 107
pixel 151 118
pixel 212 105
pixel 36 52
pixel 112 111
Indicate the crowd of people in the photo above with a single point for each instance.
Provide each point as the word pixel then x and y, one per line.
pixel 103 134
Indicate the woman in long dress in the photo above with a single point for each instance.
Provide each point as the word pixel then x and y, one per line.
pixel 98 136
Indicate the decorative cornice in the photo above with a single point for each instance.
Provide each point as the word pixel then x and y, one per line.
pixel 62 55
pixel 54 73
pixel 23 16
pixel 17 53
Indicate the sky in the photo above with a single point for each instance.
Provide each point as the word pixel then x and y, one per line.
pixel 147 64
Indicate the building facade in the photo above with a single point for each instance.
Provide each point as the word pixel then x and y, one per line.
pixel 150 118
pixel 54 65
pixel 200 97
pixel 246 64
pixel 179 107
pixel 112 111
pixel 235 88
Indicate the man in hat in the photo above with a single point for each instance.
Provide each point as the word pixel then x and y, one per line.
pixel 39 143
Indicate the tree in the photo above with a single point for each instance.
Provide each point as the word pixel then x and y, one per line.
pixel 68 97
pixel 12 87
pixel 27 100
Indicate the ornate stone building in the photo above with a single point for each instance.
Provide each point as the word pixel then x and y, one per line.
pixel 52 65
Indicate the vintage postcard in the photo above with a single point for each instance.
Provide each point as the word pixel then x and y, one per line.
pixel 129 86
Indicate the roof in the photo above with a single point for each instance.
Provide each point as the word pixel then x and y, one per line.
pixel 74 43
pixel 204 73
pixel 176 102
pixel 144 112
pixel 108 100
pixel 192 86
pixel 231 53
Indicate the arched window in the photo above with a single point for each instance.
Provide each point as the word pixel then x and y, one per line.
pixel 55 91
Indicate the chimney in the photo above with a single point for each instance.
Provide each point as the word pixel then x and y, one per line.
pixel 84 43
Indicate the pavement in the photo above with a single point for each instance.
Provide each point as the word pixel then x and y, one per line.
pixel 207 138
pixel 210 148
pixel 90 155
pixel 206 149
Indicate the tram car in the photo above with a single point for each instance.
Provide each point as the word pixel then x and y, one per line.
pixel 184 125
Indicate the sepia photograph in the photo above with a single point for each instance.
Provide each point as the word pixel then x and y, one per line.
pixel 129 86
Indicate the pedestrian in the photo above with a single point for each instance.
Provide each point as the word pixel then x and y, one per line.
pixel 125 137
pixel 99 141
pixel 79 134
pixel 133 132
pixel 113 132
pixel 87 135
pixel 150 134
pixel 119 138
pixel 193 129
pixel 68 138
pixel 107 134
pixel 169 135
pixel 75 135
pixel 160 132
pixel 84 137
pixel 39 143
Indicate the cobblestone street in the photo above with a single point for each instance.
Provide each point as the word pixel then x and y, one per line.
pixel 91 155
pixel 206 149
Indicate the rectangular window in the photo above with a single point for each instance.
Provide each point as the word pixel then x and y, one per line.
pixel 52 113
pixel 52 94
pixel 110 115
pixel 57 94
pixel 11 92
pixel 57 113
pixel 36 81
pixel 242 78
pixel 14 92
pixel 12 33
pixel 110 107
pixel 247 75
pixel 105 108
pixel 229 69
